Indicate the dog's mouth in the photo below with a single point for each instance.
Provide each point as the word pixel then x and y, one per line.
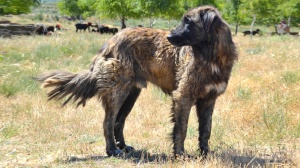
pixel 177 40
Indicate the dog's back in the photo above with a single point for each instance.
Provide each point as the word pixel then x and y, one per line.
pixel 146 52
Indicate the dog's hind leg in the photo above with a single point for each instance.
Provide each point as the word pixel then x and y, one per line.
pixel 204 112
pixel 112 103
pixel 121 117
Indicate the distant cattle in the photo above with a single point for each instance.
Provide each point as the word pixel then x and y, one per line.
pixel 257 31
pixel 60 27
pixel 42 29
pixel 104 29
pixel 113 30
pixel 83 26
pixel 50 28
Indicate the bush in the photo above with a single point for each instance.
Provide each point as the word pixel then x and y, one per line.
pixel 39 17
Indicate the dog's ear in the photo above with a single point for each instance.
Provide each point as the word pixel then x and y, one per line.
pixel 208 18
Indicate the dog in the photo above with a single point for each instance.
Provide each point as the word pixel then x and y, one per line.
pixel 192 64
pixel 257 31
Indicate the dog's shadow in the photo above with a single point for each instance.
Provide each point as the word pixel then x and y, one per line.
pixel 228 158
pixel 136 156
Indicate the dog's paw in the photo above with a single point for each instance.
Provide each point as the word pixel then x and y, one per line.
pixel 128 149
pixel 116 152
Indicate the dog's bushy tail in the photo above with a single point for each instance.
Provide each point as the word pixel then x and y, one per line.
pixel 80 87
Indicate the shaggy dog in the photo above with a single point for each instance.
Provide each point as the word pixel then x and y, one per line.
pixel 192 64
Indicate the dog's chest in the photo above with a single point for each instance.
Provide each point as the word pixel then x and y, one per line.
pixel 203 80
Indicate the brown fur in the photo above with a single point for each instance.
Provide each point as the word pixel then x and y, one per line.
pixel 192 64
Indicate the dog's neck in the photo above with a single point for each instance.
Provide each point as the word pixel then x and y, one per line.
pixel 205 51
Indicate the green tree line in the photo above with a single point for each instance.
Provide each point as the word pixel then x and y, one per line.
pixel 238 12
pixel 17 6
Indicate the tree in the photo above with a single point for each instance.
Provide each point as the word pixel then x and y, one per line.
pixel 169 9
pixel 71 7
pixel 232 12
pixel 121 9
pixel 150 9
pixel 87 7
pixel 290 9
pixel 17 6
pixel 194 3
pixel 267 12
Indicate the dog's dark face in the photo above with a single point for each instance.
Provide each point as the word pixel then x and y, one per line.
pixel 198 25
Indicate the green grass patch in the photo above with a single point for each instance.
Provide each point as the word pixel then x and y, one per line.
pixel 290 77
pixel 244 93
pixel 8 89
pixel 87 139
pixel 192 131
pixel 18 84
pixel 13 57
pixel 47 51
pixel 160 95
pixel 255 51
pixel 276 121
pixel 7 131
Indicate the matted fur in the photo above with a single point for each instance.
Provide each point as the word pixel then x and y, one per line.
pixel 192 64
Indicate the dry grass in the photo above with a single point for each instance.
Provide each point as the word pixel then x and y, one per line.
pixel 256 122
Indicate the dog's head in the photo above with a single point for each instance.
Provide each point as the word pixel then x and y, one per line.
pixel 198 25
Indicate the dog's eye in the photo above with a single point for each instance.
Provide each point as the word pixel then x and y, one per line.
pixel 187 20
pixel 202 14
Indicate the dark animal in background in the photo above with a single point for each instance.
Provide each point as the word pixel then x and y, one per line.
pixel 42 29
pixel 247 32
pixel 83 26
pixel 113 30
pixel 192 64
pixel 95 28
pixel 50 28
pixel 103 29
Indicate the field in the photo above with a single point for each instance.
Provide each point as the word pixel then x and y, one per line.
pixel 256 122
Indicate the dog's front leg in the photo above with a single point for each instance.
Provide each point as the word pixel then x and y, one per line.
pixel 204 112
pixel 180 114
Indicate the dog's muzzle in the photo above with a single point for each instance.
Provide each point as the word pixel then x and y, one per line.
pixel 177 40
pixel 174 39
